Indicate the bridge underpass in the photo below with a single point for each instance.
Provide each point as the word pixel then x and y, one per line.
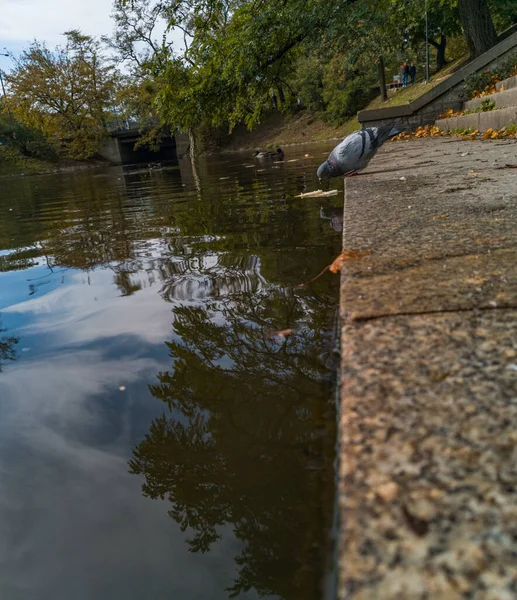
pixel 119 148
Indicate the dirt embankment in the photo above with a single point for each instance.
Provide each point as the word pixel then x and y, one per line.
pixel 281 130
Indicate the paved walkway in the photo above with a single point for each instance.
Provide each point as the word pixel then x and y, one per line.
pixel 428 476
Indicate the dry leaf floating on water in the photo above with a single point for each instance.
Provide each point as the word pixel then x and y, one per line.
pixel 282 333
pixel 346 256
pixel 338 263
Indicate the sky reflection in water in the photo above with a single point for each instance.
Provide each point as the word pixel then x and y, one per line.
pixel 155 440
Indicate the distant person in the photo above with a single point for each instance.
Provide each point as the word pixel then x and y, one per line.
pixel 412 73
pixel 405 74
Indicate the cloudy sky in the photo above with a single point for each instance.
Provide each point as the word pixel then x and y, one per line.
pixel 22 21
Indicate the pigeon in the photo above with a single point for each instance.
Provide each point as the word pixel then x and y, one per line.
pixel 356 151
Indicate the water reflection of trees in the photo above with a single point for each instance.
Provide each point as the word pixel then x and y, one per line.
pixel 7 348
pixel 247 439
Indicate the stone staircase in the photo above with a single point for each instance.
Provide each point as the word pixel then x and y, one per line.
pixel 503 113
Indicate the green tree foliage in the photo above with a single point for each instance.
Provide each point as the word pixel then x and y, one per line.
pixel 65 93
pixel 241 52
pixel 25 140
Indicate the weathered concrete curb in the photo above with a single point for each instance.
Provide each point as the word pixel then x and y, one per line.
pixel 428 470
pixel 508 84
pixel 494 119
pixel 502 99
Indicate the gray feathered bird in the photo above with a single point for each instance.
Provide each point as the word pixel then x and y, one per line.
pixel 356 151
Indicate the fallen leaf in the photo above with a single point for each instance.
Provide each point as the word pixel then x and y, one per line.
pixel 282 333
pixel 433 217
pixel 345 256
pixel 490 240
pixel 338 263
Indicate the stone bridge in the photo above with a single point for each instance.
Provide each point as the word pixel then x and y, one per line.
pixel 119 147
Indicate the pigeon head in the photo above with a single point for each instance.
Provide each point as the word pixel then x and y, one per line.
pixel 324 171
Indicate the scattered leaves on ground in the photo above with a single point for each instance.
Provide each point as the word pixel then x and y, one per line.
pixel 465 134
pixel 420 132
pixel 449 113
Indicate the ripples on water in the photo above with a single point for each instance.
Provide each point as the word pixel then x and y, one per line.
pixel 155 440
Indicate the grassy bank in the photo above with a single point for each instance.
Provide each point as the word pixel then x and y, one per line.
pixel 13 162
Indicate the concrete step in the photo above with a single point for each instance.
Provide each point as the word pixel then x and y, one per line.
pixel 502 99
pixel 507 84
pixel 494 119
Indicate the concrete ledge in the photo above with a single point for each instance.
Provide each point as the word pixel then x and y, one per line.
pixel 428 468
pixel 507 84
pixel 494 119
pixel 502 99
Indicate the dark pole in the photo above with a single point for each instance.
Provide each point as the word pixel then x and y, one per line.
pixel 3 89
pixel 426 46
pixel 382 79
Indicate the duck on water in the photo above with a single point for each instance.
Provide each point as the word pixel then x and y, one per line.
pixel 279 153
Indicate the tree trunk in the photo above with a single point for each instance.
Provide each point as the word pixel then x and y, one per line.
pixel 440 46
pixel 192 143
pixel 477 25
pixel 281 95
pixel 382 79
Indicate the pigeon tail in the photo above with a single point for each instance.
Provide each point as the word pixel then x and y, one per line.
pixel 388 131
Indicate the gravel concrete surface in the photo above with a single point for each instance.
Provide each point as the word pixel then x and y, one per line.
pixel 428 470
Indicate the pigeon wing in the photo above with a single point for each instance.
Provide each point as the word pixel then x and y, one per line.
pixel 348 154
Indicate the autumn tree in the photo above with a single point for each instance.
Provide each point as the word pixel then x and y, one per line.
pixel 66 92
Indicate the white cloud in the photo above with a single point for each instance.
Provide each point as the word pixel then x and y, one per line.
pixel 26 20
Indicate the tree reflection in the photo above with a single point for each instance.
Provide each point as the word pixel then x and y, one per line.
pixel 7 348
pixel 248 437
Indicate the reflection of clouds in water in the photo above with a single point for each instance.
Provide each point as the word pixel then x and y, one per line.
pixel 79 313
pixel 56 387
pixel 73 522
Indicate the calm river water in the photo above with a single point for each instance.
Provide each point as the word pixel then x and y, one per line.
pixel 156 441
